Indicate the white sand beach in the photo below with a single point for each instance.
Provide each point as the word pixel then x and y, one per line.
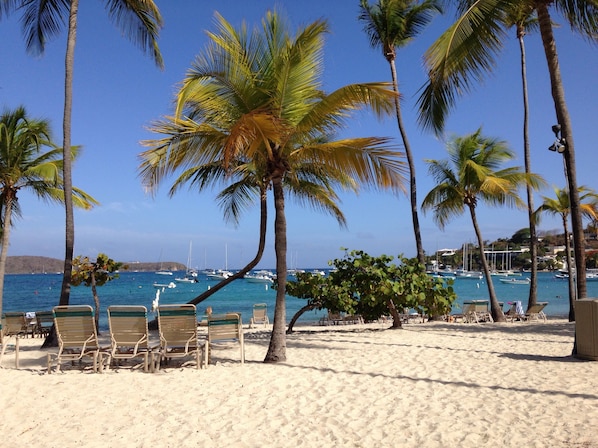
pixel 428 385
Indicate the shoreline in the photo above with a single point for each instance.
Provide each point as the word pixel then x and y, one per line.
pixel 429 385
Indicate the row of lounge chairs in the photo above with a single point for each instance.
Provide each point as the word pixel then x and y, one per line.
pixel 129 337
pixel 478 311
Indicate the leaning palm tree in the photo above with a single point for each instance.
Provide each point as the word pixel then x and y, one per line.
pixel 472 174
pixel 392 24
pixel 256 97
pixel 244 182
pixel 25 167
pixel 42 20
pixel 560 205
pixel 466 51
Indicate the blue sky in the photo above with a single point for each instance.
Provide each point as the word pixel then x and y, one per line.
pixel 118 92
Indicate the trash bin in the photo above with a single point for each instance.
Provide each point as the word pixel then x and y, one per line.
pixel 586 328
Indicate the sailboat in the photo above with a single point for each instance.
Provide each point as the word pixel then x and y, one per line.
pixel 162 271
pixel 221 274
pixel 190 274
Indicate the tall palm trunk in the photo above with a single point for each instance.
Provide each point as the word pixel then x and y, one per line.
pixel 6 219
pixel 562 113
pixel 277 350
pixel 570 272
pixel 66 148
pixel 533 237
pixel 495 308
pixel 412 188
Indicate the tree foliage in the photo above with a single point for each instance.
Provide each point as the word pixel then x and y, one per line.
pixel 93 274
pixel 373 287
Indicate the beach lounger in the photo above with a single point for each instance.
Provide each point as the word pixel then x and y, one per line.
pixel 129 335
pixel 224 329
pixel 177 325
pixel 535 312
pixel 260 315
pixel 332 318
pixel 515 312
pixel 44 322
pixel 14 324
pixel 77 337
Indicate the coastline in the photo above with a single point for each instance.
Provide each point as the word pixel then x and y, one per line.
pixel 429 385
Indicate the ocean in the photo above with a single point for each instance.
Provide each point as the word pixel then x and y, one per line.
pixel 36 292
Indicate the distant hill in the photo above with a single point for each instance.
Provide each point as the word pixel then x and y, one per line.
pixel 27 264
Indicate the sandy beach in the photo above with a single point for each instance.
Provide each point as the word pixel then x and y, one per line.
pixel 428 385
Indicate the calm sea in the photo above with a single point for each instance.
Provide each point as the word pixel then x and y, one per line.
pixel 33 292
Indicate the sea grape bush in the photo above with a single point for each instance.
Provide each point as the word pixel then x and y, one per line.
pixel 373 287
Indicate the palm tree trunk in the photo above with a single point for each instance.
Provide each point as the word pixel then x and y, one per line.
pixel 66 149
pixel 253 263
pixel 533 237
pixel 412 186
pixel 570 272
pixel 5 239
pixel 495 308
pixel 277 350
pixel 562 113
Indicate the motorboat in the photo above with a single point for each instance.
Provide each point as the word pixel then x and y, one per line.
pixel 220 274
pixel 260 277
pixel 515 281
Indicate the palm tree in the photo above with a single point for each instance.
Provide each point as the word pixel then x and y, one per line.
pixel 256 98
pixel 523 19
pixel 392 24
pixel 471 174
pixel 465 52
pixel 560 205
pixel 42 20
pixel 24 166
pixel 243 183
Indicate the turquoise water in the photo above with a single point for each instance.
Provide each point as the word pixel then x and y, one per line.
pixel 42 291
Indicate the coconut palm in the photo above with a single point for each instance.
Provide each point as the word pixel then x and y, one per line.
pixel 466 52
pixel 25 166
pixel 560 205
pixel 392 24
pixel 522 18
pixel 472 174
pixel 42 20
pixel 244 183
pixel 256 97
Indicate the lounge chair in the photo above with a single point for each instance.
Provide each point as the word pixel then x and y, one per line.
pixel 177 325
pixel 260 315
pixel 515 312
pixel 224 329
pixel 14 324
pixel 129 336
pixel 44 322
pixel 77 337
pixel 332 318
pixel 535 312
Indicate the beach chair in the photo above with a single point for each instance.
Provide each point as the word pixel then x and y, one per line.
pixel 129 337
pixel 260 315
pixel 77 337
pixel 14 324
pixel 535 312
pixel 177 325
pixel 224 329
pixel 515 312
pixel 44 321
pixel 332 318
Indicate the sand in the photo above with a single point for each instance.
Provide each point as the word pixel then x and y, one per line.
pixel 428 385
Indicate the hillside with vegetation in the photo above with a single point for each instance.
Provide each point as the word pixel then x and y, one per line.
pixel 27 264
